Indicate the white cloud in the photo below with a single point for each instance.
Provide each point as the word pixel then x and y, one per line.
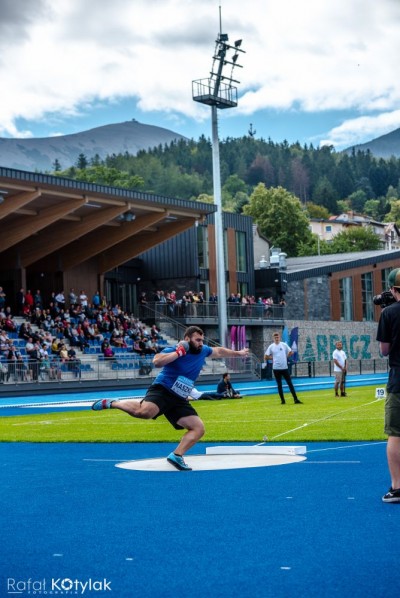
pixel 358 130
pixel 315 55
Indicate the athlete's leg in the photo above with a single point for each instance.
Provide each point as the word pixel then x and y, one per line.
pixel 278 378
pixel 195 430
pixel 393 457
pixel 286 375
pixel 141 410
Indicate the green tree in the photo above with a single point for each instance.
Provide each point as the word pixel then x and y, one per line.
pixel 56 165
pixel 315 246
pixel 394 214
pixel 355 238
pixel 357 200
pixel 82 162
pixel 325 195
pixel 315 211
pixel 280 217
pixel 102 175
pixel 372 208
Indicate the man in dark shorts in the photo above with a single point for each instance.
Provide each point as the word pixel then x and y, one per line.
pixel 168 394
pixel 388 336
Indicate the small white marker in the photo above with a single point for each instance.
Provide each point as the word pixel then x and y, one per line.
pixel 129 558
pixel 286 568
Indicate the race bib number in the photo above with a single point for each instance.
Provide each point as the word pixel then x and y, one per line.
pixel 182 387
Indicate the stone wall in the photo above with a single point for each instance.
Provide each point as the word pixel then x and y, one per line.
pixel 316 339
pixel 308 299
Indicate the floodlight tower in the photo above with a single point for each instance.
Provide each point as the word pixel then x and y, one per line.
pixel 218 91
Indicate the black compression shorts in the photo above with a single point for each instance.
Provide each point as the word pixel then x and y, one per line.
pixel 169 404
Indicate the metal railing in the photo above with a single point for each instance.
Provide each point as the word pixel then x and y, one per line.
pixel 235 311
pixel 124 366
pixel 314 369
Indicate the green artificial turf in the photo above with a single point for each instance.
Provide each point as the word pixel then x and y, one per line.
pixel 322 417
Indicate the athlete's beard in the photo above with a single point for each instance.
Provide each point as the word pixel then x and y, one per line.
pixel 194 349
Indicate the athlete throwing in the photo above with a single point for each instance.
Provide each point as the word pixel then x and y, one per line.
pixel 168 394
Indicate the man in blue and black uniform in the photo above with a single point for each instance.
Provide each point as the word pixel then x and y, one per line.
pixel 168 394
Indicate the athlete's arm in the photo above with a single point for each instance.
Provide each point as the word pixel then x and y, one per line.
pixel 224 352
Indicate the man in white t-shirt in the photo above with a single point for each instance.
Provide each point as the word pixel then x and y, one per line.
pixel 279 352
pixel 339 369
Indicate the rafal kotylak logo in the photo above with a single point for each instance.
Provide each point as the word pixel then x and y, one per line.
pixel 60 586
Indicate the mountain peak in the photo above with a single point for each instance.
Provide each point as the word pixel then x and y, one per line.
pixel 385 146
pixel 40 153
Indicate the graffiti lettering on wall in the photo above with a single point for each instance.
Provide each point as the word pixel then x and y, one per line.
pixel 322 347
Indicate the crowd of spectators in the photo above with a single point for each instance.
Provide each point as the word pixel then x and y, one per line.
pixel 195 304
pixel 52 333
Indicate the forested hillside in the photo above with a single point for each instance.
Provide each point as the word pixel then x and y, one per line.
pixel 323 181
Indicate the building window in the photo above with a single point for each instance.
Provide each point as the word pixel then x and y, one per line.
pixel 346 299
pixel 202 246
pixel 385 275
pixel 240 251
pixel 367 294
pixel 328 228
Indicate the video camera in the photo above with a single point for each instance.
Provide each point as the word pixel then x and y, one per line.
pixel 384 299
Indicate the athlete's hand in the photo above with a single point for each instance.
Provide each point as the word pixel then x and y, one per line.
pixel 182 348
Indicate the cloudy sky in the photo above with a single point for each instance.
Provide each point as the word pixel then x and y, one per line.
pixel 320 71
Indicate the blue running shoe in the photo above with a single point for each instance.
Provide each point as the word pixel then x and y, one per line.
pixel 102 404
pixel 178 462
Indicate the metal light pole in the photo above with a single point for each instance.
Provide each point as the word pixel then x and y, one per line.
pixel 218 92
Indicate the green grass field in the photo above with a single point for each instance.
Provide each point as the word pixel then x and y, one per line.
pixel 321 418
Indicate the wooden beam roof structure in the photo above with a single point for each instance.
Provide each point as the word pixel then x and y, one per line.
pixel 43 215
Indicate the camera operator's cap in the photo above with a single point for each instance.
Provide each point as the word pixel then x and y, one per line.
pixel 394 278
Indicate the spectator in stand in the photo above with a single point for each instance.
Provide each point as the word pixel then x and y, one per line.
pixel 232 302
pixel 269 302
pixel 117 338
pixel 4 342
pixel 55 347
pixel 20 300
pixel 170 302
pixel 74 364
pixel 12 356
pixel 2 299
pixel 83 300
pixel 155 333
pixel 38 301
pixel 60 299
pixel 22 371
pixel 213 300
pixel 53 309
pixel 34 357
pixel 8 323
pixel 25 331
pixel 108 351
pixel 96 300
pixel 72 297
pixel 29 302
pixel 38 317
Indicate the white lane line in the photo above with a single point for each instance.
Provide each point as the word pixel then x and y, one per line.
pixel 347 446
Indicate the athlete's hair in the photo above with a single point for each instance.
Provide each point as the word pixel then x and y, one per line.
pixel 192 330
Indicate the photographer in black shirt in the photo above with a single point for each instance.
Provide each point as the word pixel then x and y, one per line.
pixel 388 336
